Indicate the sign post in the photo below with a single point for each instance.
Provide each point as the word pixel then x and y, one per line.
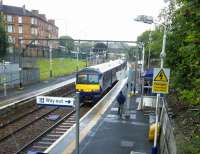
pixel 160 86
pixel 77 121
pixel 4 78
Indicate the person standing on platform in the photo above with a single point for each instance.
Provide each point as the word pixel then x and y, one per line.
pixel 121 100
pixel 145 87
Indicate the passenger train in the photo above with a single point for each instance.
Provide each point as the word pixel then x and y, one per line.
pixel 93 81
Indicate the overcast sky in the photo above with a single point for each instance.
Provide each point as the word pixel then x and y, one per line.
pixel 95 19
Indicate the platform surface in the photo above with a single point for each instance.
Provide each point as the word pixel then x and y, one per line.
pixel 115 135
pixel 15 94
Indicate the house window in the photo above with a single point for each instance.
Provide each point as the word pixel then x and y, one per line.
pixel 11 39
pixel 20 20
pixel 33 21
pixel 20 29
pixel 9 18
pixel 10 28
pixel 34 31
pixel 21 41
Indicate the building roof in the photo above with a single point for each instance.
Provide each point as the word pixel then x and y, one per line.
pixel 13 10
pixel 20 11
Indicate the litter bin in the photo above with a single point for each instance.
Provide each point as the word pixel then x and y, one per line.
pixel 152 126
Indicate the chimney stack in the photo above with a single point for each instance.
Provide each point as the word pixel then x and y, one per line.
pixel 1 3
pixel 24 9
pixel 35 12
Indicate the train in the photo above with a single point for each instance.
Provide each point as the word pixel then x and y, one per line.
pixel 92 82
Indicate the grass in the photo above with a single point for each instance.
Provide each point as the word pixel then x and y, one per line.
pixel 60 67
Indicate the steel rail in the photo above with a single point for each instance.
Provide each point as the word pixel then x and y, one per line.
pixel 45 132
pixel 28 124
pixel 20 117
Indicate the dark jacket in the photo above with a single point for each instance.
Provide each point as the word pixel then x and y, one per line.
pixel 121 98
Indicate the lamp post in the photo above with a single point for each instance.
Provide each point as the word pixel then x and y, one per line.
pixel 77 57
pixel 4 78
pixel 162 56
pixel 141 79
pixel 149 56
pixel 50 62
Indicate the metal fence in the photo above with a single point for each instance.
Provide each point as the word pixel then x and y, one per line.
pixel 44 59
pixel 167 139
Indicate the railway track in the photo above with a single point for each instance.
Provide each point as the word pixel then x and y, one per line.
pixel 29 106
pixel 43 141
pixel 14 138
pixel 39 133
pixel 48 137
pixel 9 119
pixel 15 133
pixel 19 125
pixel 12 127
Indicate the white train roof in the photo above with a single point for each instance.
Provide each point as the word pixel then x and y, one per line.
pixel 104 67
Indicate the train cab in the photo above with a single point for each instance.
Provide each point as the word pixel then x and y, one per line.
pixel 88 83
pixel 92 82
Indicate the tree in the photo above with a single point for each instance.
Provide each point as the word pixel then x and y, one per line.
pixel 100 47
pixel 155 45
pixel 85 47
pixel 183 50
pixel 67 42
pixel 3 38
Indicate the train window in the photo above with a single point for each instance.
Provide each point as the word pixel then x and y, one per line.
pixel 93 78
pixel 88 78
pixel 82 78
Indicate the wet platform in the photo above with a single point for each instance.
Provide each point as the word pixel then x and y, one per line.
pixel 16 95
pixel 119 135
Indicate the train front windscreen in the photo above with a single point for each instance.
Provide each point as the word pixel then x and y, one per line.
pixel 88 79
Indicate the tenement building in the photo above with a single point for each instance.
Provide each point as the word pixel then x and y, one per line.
pixel 23 25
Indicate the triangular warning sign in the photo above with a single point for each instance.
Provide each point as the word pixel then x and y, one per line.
pixel 161 76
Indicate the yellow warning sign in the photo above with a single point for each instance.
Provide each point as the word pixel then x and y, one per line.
pixel 160 87
pixel 161 80
pixel 161 76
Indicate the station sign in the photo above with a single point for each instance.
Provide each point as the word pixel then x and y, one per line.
pixel 55 101
pixel 161 80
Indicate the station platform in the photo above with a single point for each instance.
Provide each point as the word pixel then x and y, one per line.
pixel 16 94
pixel 118 135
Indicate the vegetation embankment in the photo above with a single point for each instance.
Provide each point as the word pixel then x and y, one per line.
pixel 60 67
pixel 183 58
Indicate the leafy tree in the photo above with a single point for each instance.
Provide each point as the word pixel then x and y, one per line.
pixel 85 47
pixel 183 51
pixel 67 42
pixel 3 38
pixel 155 45
pixel 100 47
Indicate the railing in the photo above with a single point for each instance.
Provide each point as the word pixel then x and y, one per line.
pixel 167 139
